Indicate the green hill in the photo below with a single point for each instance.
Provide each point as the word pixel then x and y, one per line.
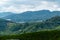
pixel 28 27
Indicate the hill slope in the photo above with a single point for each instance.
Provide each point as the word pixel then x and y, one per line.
pixel 42 35
pixel 18 28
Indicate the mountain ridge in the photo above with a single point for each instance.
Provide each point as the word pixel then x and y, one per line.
pixel 32 16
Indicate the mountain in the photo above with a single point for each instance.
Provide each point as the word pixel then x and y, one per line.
pixel 32 16
pixel 3 14
pixel 30 24
pixel 8 27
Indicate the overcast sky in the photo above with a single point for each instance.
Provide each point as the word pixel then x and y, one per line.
pixel 19 6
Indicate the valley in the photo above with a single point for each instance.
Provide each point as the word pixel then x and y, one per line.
pixel 31 27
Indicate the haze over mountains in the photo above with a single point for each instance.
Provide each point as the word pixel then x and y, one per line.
pixel 31 16
pixel 33 22
pixel 8 27
pixel 3 14
pixel 29 19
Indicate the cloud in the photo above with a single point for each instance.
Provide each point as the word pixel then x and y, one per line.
pixel 19 6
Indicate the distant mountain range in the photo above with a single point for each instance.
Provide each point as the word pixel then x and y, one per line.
pixel 3 14
pixel 31 16
pixel 33 22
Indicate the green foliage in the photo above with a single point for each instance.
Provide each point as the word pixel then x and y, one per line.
pixel 42 35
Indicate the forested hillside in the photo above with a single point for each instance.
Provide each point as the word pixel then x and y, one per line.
pixel 45 30
pixel 41 35
pixel 8 27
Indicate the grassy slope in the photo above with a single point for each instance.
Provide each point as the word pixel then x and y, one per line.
pixel 42 35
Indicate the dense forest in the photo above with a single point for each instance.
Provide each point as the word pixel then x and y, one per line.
pixel 42 35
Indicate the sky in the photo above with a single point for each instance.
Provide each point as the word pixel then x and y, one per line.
pixel 18 6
